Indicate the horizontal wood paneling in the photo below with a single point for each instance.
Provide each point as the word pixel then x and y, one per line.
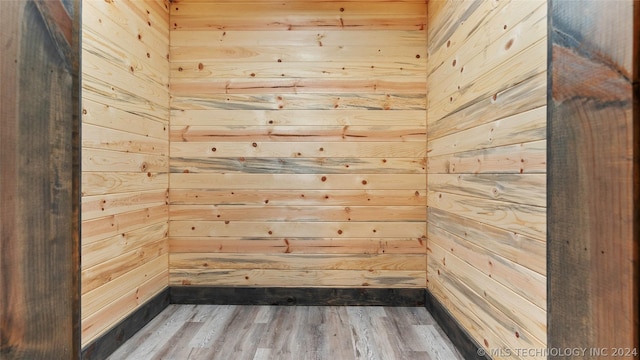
pixel 516 129
pixel 118 265
pixel 125 329
pixel 344 69
pixel 518 248
pixel 95 300
pixel 523 189
pixel 118 161
pixel 468 308
pixel 486 166
pixel 104 182
pixel 312 229
pixel 125 148
pixel 292 101
pixel 290 149
pixel 307 165
pixel 328 133
pixel 526 315
pixel 520 280
pixel 301 197
pixel 298 261
pixel 298 143
pixel 299 278
pixel 97 137
pixel 297 181
pixel 294 39
pixel 305 117
pixel 105 205
pixel 296 15
pixel 109 117
pixel 297 213
pixel 98 252
pixel 111 313
pixel 524 219
pixel 529 157
pixel 298 245
pixel 106 226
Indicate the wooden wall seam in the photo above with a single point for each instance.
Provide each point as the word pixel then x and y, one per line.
pixel 125 181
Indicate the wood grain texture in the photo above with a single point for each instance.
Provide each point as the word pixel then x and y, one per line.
pixel 290 332
pixel 125 149
pixel 486 169
pixel 593 185
pixel 460 338
pixel 357 197
pixel 293 332
pixel 298 245
pixel 98 299
pixel 299 278
pixel 298 130
pixel 307 229
pixel 297 213
pixel 104 346
pixel 301 118
pixel 294 15
pixel 104 227
pixel 288 261
pixel 95 324
pixel 39 216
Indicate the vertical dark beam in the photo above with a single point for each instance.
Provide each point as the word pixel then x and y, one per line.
pixel 593 177
pixel 39 187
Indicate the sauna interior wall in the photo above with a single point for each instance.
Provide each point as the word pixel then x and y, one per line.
pixel 298 153
pixel 125 148
pixel 298 143
pixel 487 168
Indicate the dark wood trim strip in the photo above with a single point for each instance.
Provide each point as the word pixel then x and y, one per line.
pixel 592 183
pixel 297 296
pixel 39 190
pixel 105 345
pixel 463 342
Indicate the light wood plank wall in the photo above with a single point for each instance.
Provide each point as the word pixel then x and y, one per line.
pixel 125 147
pixel 486 124
pixel 298 143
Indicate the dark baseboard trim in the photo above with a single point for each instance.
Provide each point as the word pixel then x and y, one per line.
pixel 296 296
pixel 463 342
pixel 106 344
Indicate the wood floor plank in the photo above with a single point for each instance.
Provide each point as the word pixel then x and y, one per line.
pixel 437 349
pixel 203 332
pixel 155 334
pixel 215 317
pixel 262 354
pixel 178 346
pixel 277 317
pixel 236 340
pixel 408 338
pixel 368 343
pixel 337 330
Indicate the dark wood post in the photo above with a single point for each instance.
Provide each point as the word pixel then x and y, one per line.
pixel 593 182
pixel 39 187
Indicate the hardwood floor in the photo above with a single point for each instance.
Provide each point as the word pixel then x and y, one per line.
pixel 289 332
